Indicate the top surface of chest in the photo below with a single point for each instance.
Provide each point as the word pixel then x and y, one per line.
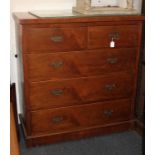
pixel 25 18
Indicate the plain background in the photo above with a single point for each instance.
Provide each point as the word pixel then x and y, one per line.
pixel 5 77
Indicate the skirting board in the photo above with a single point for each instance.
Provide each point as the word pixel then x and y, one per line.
pixel 32 141
pixel 140 127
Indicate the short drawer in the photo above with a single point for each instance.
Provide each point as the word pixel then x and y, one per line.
pixel 46 40
pixel 80 63
pixel 79 117
pixel 123 36
pixel 78 91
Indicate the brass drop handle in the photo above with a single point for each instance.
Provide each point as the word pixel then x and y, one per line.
pixel 114 36
pixel 110 87
pixel 57 39
pixel 108 113
pixel 57 119
pixel 57 64
pixel 112 60
pixel 57 92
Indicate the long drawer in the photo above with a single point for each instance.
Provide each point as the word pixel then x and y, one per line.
pixel 123 36
pixel 51 94
pixel 79 63
pixel 80 117
pixel 46 39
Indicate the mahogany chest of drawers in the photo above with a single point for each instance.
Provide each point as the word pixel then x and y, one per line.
pixel 75 84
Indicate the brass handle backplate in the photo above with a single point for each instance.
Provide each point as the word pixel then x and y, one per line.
pixel 110 87
pixel 112 60
pixel 108 113
pixel 57 39
pixel 57 92
pixel 57 64
pixel 57 119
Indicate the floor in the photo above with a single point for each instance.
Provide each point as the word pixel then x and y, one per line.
pixel 126 143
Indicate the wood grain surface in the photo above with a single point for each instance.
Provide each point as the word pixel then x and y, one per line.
pixel 69 66
pixel 79 63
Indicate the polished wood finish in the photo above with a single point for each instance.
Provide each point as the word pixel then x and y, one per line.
pixel 55 39
pixel 25 18
pixel 123 36
pixel 79 117
pixel 32 141
pixel 14 139
pixel 79 63
pixel 75 85
pixel 78 91
pixel 14 144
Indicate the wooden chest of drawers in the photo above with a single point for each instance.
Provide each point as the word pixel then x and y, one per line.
pixel 75 84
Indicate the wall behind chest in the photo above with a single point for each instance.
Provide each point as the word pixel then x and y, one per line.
pixel 28 5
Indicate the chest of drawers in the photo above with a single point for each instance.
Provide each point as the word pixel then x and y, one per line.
pixel 75 84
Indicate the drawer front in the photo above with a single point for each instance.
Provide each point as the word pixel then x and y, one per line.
pixel 78 117
pixel 55 39
pixel 123 36
pixel 80 63
pixel 77 91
